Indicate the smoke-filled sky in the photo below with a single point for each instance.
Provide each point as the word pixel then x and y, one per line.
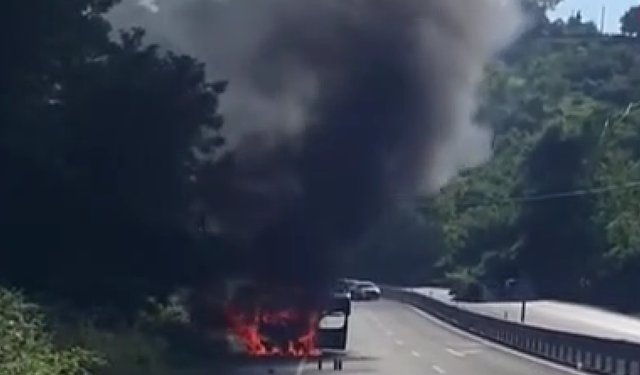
pixel 336 107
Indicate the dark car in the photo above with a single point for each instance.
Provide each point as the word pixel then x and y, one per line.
pixel 342 290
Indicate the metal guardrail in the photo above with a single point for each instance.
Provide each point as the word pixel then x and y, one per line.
pixel 586 353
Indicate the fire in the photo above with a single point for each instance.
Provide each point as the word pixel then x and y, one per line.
pixel 266 332
pixel 274 320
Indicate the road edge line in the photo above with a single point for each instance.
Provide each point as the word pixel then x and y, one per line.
pixel 490 343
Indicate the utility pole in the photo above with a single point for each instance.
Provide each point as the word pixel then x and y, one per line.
pixel 602 19
pixel 517 287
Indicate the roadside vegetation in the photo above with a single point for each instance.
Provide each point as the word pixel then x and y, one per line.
pixel 101 136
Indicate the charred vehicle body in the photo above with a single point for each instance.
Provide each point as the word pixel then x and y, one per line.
pixel 286 322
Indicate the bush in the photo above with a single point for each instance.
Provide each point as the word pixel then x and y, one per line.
pixel 161 342
pixel 465 286
pixel 126 350
pixel 26 348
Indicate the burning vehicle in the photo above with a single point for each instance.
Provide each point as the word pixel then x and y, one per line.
pixel 275 321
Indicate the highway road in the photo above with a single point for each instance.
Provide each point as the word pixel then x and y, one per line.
pixel 388 338
pixel 555 315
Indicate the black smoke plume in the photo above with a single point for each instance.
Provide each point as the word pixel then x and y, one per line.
pixel 336 109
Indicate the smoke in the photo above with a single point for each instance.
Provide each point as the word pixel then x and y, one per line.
pixel 335 108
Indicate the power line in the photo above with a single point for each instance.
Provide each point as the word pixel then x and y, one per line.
pixel 577 192
pixel 549 196
pixel 620 115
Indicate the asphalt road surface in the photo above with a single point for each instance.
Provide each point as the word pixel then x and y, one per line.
pixel 388 338
pixel 555 315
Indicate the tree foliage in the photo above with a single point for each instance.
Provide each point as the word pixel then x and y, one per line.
pixel 557 205
pixel 26 348
pixel 104 140
pixel 630 21
pixel 100 140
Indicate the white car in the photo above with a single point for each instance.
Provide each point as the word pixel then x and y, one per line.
pixel 366 290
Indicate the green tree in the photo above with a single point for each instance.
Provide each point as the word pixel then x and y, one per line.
pixel 556 231
pixel 27 348
pixel 630 21
pixel 99 142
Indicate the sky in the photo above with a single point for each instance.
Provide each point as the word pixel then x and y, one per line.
pixel 592 10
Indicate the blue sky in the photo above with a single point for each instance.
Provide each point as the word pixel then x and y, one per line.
pixel 591 10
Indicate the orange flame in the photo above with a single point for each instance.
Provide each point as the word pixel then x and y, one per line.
pixel 249 328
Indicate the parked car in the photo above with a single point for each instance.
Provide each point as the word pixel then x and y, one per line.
pixel 365 291
pixel 342 291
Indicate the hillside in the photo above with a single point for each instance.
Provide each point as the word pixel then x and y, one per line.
pixel 557 206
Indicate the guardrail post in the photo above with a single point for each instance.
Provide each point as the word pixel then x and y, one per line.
pixel 588 360
pixel 621 367
pixel 598 362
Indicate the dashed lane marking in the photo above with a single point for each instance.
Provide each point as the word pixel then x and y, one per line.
pixel 300 368
pixel 399 342
pixel 438 369
pixel 498 347
pixel 415 354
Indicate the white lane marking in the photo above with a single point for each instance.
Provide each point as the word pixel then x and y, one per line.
pixel 415 354
pixel 399 342
pixel 438 369
pixel 455 353
pixel 471 351
pixel 490 344
pixel 300 368
pixel 389 333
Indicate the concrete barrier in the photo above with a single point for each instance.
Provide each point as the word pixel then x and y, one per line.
pixel 586 353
